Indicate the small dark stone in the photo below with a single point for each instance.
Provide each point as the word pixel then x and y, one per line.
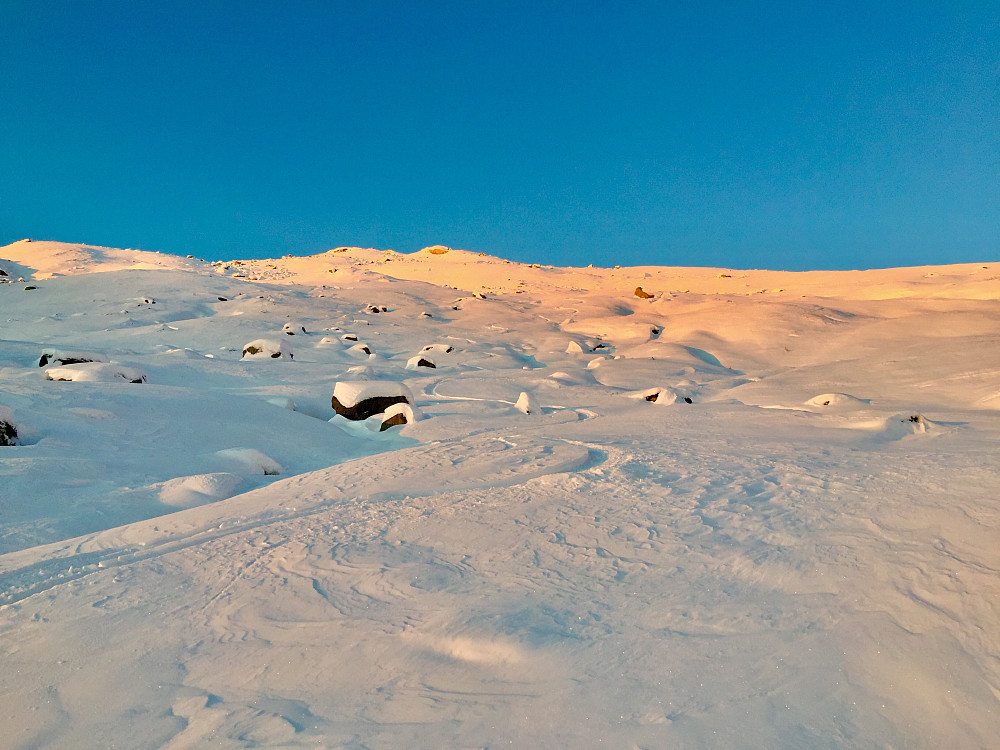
pixel 425 363
pixel 223 299
pixel 916 418
pixel 2 272
pixel 687 400
pixel 29 288
pixel 652 396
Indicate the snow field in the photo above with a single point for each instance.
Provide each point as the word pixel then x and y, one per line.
pixel 803 556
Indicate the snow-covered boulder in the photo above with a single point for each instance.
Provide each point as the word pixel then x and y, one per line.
pixel 437 348
pixel 360 399
pixel 399 414
pixel 419 361
pixel 56 357
pixel 360 351
pixel 8 430
pixel 528 404
pixel 96 372
pixel 292 329
pixel 574 348
pixel 267 349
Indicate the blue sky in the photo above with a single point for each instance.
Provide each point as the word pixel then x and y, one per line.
pixel 782 135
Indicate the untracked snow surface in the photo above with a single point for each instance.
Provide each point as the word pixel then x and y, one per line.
pixel 749 509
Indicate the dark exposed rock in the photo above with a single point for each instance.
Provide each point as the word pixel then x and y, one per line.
pixel 642 294
pixel 68 358
pixel 394 421
pixel 8 433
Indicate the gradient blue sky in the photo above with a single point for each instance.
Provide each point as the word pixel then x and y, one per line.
pixel 782 135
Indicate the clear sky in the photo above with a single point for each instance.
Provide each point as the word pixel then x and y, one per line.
pixel 743 134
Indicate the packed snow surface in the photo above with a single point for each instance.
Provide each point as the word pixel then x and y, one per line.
pixel 749 509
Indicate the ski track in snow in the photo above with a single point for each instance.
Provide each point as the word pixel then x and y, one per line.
pixel 803 557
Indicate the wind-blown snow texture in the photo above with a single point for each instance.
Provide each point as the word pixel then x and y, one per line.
pixel 756 509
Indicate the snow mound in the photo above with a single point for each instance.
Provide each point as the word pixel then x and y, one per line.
pixel 199 489
pixel 96 372
pixel 663 396
pixel 360 399
pixel 250 461
pixel 267 349
pixel 292 329
pixel 835 400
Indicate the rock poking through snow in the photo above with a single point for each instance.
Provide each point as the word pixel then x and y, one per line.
pixel 399 414
pixel 414 362
pixel 8 430
pixel 55 357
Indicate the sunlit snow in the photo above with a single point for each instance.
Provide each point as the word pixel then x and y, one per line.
pixel 743 509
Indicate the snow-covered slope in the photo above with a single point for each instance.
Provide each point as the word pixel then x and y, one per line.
pixel 753 509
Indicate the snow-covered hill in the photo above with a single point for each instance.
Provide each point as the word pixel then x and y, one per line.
pixel 741 509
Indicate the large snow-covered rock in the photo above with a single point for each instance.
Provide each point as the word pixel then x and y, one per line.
pixel 267 349
pixel 360 399
pixel 96 372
